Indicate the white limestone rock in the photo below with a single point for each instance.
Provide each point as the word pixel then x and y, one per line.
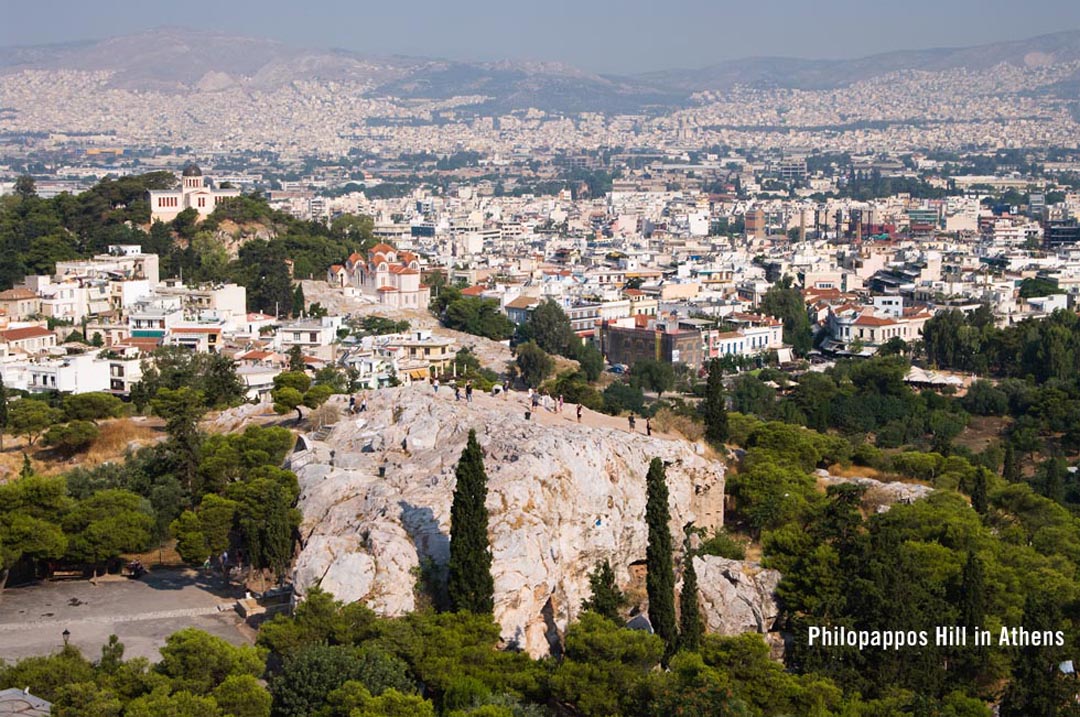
pixel 738 596
pixel 560 498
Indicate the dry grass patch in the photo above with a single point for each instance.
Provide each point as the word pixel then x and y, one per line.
pixel 666 421
pixel 118 434
pixel 854 471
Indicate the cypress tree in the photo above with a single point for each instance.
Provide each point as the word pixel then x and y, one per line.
pixel 470 585
pixel 973 592
pixel 660 575
pixel 3 412
pixel 296 358
pixel 1011 469
pixel 1036 689
pixel 298 301
pixel 713 407
pixel 978 492
pixel 972 661
pixel 691 629
pixel 607 598
pixel 1052 484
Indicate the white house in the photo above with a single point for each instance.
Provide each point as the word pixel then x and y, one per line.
pixel 192 194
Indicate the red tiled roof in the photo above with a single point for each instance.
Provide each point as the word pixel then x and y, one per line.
pixel 388 288
pixel 143 344
pixel 17 294
pixel 473 290
pixel 522 302
pixel 865 320
pixel 30 332
pixel 381 249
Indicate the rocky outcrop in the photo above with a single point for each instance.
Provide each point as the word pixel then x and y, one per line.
pixel 879 495
pixel 738 596
pixel 561 497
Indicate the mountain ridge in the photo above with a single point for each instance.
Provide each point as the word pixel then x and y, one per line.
pixel 176 59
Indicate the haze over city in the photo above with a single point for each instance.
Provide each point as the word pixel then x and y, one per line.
pixel 632 36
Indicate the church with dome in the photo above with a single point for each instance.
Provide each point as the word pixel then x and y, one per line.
pixel 191 194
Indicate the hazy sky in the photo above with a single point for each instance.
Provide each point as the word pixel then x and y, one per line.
pixel 604 36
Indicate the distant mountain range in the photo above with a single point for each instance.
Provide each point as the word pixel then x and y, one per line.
pixel 182 60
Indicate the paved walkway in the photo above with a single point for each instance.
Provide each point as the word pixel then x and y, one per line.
pixel 142 613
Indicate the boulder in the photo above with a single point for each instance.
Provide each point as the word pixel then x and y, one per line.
pixel 562 496
pixel 738 596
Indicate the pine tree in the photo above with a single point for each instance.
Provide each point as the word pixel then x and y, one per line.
pixel 470 585
pixel 660 575
pixel 691 628
pixel 607 598
pixel 27 467
pixel 713 407
pixel 1011 468
pixel 978 492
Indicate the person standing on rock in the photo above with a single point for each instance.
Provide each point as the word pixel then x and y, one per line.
pixel 363 402
pixel 560 403
pixel 506 387
pixel 633 423
pixel 468 391
pixel 648 426
pixel 435 383
pixel 579 413
pixel 457 392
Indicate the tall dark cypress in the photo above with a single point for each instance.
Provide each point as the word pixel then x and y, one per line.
pixel 470 585
pixel 978 492
pixel 1037 688
pixel 971 661
pixel 973 592
pixel 691 629
pixel 1010 470
pixel 660 575
pixel 713 407
pixel 3 412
